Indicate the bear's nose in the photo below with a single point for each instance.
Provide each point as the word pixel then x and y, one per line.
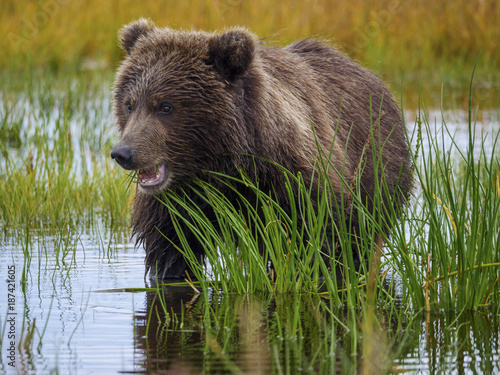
pixel 123 156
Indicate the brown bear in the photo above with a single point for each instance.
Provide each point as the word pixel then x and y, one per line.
pixel 188 102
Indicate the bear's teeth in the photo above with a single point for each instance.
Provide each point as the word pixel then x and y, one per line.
pixel 152 176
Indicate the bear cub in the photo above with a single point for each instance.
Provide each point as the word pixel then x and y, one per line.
pixel 187 102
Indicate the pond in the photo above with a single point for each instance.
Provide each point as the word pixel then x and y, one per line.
pixel 94 313
pixel 75 299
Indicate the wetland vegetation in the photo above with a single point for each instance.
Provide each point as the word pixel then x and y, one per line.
pixel 427 301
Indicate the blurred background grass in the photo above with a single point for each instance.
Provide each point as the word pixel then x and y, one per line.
pixel 430 41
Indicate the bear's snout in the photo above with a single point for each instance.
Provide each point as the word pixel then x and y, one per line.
pixel 123 156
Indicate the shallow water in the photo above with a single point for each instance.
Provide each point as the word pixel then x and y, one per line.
pixel 92 316
pixel 89 309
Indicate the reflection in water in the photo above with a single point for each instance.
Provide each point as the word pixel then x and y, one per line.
pixel 99 318
pixel 467 343
pixel 164 342
pixel 222 334
pixel 261 334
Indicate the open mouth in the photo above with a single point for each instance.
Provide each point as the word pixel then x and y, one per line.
pixel 152 176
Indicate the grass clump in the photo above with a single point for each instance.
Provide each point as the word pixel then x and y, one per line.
pixel 441 253
pixel 55 185
pixel 234 252
pixel 257 245
pixel 450 255
pixel 447 250
pixel 52 169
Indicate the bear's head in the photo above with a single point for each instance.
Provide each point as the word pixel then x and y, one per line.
pixel 177 100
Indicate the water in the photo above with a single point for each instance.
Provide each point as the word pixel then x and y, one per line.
pixel 84 328
pixel 95 317
pixel 81 304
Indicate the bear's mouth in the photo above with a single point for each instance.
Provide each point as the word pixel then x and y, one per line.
pixel 152 176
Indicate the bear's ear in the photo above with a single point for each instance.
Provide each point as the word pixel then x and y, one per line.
pixel 131 33
pixel 232 52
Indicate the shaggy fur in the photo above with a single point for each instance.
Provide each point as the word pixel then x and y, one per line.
pixel 195 101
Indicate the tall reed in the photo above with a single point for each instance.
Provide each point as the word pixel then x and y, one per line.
pixel 447 249
pixel 442 252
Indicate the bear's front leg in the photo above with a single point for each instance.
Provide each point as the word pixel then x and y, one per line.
pixel 152 224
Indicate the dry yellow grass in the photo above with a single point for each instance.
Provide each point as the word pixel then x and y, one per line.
pixel 388 36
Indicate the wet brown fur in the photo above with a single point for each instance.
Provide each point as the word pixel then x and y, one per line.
pixel 233 96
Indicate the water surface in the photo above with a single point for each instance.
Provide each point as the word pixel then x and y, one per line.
pixel 82 306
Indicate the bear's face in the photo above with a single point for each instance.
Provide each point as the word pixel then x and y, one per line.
pixel 175 101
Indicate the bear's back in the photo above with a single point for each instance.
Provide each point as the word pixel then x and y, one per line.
pixel 348 106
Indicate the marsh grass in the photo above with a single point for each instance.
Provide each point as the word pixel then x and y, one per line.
pixel 442 254
pixel 451 258
pixel 53 169
pixel 387 35
pixel 442 251
pixel 55 185
pixel 234 242
pixel 448 253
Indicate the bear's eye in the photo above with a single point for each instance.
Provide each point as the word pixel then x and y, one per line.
pixel 129 107
pixel 165 109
